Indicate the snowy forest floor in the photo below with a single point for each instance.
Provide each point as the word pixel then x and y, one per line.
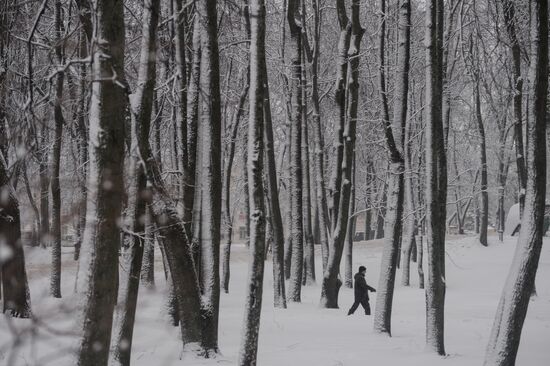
pixel 304 334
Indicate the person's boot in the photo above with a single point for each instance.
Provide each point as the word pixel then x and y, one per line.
pixel 350 312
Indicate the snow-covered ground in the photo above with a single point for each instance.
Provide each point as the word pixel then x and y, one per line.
pixel 305 334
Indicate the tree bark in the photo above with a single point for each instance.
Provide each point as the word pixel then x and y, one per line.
pixel 436 180
pixel 132 254
pixel 331 281
pixel 55 276
pixel 98 280
pixel 510 20
pixel 514 301
pixel 395 138
pixel 249 343
pixel 210 119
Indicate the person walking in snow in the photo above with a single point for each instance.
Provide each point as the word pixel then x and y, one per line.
pixel 361 290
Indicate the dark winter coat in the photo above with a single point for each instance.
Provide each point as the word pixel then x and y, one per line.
pixel 361 288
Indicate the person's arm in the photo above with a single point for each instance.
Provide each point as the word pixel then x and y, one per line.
pixel 371 289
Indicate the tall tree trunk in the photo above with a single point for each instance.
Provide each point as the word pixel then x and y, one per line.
pixel 98 281
pixel 340 98
pixel 132 254
pixel 55 277
pixel 331 281
pixel 309 249
pixel 251 327
pixel 297 222
pixel 279 298
pixel 512 308
pixel 484 207
pixel 210 117
pixel 44 188
pixel 408 249
pixel 510 20
pixel 228 166
pixel 395 138
pixel 82 129
pixel 436 180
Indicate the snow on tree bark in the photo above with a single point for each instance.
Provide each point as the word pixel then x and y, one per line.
pixel 331 281
pixel 514 301
pixel 297 231
pixel 436 180
pixel 132 254
pixel 210 119
pixel 55 276
pixel 395 139
pixel 98 277
pixel 253 306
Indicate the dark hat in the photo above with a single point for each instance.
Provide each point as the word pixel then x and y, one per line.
pixel 362 268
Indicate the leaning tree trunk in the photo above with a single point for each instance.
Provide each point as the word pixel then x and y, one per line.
pixel 249 343
pixel 395 137
pixel 436 180
pixel 210 119
pixel 132 255
pixel 98 280
pixel 331 281
pixel 514 301
pixel 297 223
pixel 55 277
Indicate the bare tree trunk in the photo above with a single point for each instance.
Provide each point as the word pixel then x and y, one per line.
pixel 82 141
pixel 297 222
pixel 512 309
pixel 340 98
pixel 148 270
pixel 395 138
pixel 55 277
pixel 510 20
pixel 484 209
pixel 98 280
pixel 309 249
pixel 436 180
pixel 132 255
pixel 44 189
pixel 279 299
pixel 210 119
pixel 228 166
pixel 251 327
pixel 348 249
pixel 410 239
pixel 331 281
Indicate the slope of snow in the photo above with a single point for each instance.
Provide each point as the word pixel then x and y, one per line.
pixel 305 334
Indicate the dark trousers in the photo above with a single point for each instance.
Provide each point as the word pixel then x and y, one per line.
pixel 364 302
